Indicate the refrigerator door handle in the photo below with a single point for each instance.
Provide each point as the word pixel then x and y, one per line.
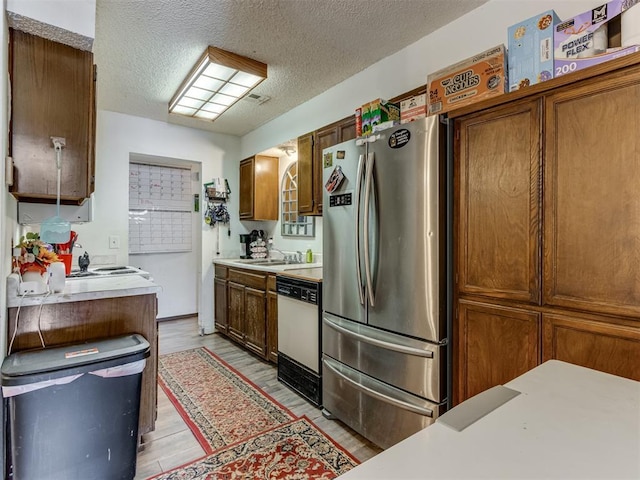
pixel 367 200
pixel 376 341
pixel 368 390
pixel 357 225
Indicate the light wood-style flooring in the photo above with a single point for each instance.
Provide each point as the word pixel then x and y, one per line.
pixel 172 444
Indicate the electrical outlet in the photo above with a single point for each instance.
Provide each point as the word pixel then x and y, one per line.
pixel 114 241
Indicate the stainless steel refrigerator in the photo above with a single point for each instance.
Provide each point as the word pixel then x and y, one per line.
pixel 384 328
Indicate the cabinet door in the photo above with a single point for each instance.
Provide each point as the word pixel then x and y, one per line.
pixel 266 194
pixel 347 129
pixel 591 201
pixel 272 327
pixel 593 342
pixel 220 296
pixel 256 321
pixel 498 215
pixel 246 188
pixel 305 174
pixel 325 138
pixel 52 95
pixel 495 345
pixel 236 312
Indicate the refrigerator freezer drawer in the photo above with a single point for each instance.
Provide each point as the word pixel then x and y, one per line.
pixel 409 364
pixel 381 413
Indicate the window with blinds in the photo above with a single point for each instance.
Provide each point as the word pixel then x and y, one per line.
pixel 160 204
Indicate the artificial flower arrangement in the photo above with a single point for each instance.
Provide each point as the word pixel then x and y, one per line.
pixel 35 255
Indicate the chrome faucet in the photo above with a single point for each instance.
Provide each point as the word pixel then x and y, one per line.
pixel 288 258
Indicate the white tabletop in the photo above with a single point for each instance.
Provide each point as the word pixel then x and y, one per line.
pixel 568 422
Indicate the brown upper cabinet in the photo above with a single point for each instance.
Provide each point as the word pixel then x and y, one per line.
pixel 52 95
pixel 259 190
pixel 592 208
pixel 499 201
pixel 310 166
pixel 546 222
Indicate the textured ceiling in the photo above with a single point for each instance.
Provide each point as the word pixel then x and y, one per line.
pixel 145 48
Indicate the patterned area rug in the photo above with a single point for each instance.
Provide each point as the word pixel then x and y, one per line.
pixel 247 434
pixel 297 450
pixel 219 404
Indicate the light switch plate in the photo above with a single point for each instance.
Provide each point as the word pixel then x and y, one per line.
pixel 8 171
pixel 114 241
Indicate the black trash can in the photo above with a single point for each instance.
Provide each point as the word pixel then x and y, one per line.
pixel 72 412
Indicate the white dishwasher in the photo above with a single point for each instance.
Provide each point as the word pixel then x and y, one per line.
pixel 299 336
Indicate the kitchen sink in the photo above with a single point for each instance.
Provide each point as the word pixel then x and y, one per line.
pixel 262 261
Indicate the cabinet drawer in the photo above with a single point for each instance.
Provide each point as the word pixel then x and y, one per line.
pixel 253 280
pixel 221 272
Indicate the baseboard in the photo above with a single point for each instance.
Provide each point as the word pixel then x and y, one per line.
pixel 177 317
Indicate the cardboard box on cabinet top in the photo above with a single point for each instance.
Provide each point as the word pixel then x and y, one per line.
pixel 585 40
pixel 477 78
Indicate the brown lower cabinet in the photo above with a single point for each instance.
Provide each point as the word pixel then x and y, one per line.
pixel 79 322
pixel 495 344
pixel 246 309
pixel 592 341
pixel 272 320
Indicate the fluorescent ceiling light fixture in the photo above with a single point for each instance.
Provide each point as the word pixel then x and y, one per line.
pixel 215 83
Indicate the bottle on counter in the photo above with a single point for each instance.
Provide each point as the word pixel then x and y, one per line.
pixel 309 258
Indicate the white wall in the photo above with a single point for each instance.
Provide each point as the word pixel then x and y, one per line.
pixel 475 32
pixel 77 16
pixel 119 135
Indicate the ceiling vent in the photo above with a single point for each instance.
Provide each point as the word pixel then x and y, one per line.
pixel 255 98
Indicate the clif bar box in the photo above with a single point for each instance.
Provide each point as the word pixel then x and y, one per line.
pixel 477 78
pixel 383 111
pixel 413 108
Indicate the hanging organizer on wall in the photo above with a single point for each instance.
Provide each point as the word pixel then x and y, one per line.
pixel 216 193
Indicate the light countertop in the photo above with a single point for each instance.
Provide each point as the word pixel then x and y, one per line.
pixel 80 289
pixel 567 422
pixel 313 274
pixel 238 263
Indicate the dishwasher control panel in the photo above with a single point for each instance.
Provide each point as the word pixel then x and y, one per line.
pixel 298 289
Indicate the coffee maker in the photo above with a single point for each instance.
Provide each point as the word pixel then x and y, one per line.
pixel 245 245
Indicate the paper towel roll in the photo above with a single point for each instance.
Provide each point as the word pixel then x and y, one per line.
pixel 630 26
pixel 598 44
pixel 57 277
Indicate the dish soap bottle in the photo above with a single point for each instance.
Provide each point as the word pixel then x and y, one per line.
pixel 309 258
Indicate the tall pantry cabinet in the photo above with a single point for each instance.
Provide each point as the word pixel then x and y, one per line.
pixel 547 229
